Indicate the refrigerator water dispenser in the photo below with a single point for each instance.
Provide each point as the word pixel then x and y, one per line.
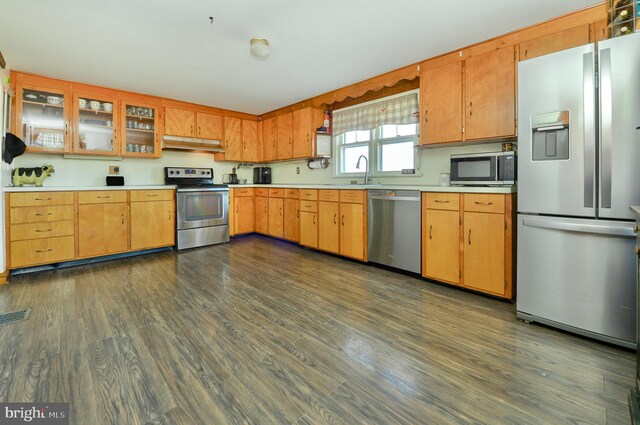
pixel 550 136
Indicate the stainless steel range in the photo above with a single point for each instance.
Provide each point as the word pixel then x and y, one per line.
pixel 202 207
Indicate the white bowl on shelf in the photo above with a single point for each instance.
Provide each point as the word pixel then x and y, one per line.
pixel 54 100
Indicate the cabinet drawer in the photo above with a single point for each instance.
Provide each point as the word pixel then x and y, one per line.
pixel 40 214
pixel 41 251
pixel 276 193
pixel 331 195
pixel 309 194
pixel 291 193
pixel 151 195
pixel 308 206
pixel 441 201
pixel 33 199
pixel 352 196
pixel 246 191
pixel 102 196
pixel 261 191
pixel 21 232
pixel 484 203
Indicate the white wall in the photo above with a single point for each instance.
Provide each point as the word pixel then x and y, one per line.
pixel 433 162
pixel 92 172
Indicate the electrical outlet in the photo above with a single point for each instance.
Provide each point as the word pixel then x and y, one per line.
pixel 114 170
pixel 297 170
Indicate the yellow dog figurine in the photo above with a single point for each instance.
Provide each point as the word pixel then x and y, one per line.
pixel 35 175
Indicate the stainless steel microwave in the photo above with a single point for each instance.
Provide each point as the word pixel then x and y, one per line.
pixel 484 169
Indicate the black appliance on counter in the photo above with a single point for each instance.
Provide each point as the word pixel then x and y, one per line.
pixel 262 175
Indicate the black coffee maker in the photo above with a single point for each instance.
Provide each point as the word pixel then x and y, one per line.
pixel 262 175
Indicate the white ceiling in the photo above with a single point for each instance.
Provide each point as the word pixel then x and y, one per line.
pixel 168 47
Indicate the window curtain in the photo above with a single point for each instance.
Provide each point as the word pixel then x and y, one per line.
pixel 398 110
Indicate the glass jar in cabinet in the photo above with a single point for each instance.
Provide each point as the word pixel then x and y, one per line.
pixel 141 136
pixel 96 130
pixel 42 118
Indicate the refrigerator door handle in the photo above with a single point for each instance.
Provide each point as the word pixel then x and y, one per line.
pixel 606 129
pixel 589 128
pixel 579 227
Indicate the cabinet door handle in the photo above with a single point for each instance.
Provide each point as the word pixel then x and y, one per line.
pixel 483 203
pixel 280 211
pixel 335 216
pixel 104 197
pixel 122 221
pixel 430 229
pixel 298 213
pixel 441 202
pixel 274 144
pixel 236 209
pixel 199 132
pixel 470 110
pixel 170 215
pixel 42 231
pixel 66 128
pixel 40 214
pixel 151 196
pixel 469 236
pixel 426 116
pixel 343 219
pixel 307 137
pixel 43 199
pixel 314 219
pixel 44 250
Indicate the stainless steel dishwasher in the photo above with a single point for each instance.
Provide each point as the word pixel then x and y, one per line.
pixel 394 228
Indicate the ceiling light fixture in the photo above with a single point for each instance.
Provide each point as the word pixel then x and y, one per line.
pixel 259 48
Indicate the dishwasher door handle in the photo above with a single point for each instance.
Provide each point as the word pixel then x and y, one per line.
pixel 395 198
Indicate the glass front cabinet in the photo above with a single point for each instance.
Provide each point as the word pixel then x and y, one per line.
pixel 43 118
pixel 140 129
pixel 95 129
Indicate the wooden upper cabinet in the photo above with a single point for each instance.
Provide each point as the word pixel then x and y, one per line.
pixel 285 136
pixel 232 139
pixel 601 30
pixel 302 133
pixel 250 146
pixel 179 122
pixel 555 42
pixel 490 105
pixel 269 139
pixel 441 119
pixel 42 118
pixel 209 126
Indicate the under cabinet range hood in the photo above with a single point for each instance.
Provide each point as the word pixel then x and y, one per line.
pixel 191 143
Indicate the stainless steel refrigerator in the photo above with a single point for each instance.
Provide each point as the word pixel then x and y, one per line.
pixel 578 174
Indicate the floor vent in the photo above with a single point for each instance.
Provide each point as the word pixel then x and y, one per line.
pixel 14 316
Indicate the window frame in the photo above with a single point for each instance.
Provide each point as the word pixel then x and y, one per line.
pixel 375 144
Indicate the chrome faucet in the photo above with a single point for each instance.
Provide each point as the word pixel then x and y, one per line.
pixel 367 177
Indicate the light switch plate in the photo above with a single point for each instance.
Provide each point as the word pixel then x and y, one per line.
pixel 297 170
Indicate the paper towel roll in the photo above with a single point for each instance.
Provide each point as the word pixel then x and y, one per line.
pixel 318 163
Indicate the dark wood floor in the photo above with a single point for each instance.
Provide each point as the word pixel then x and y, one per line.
pixel 263 332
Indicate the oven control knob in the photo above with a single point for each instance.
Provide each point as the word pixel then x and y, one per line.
pixel 202 172
pixel 177 172
pixel 208 172
pixel 171 172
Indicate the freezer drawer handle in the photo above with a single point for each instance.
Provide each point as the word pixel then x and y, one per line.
pixel 578 227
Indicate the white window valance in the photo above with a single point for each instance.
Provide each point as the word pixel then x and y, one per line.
pixel 397 110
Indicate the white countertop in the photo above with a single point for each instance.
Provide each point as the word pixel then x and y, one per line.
pixel 79 188
pixel 423 188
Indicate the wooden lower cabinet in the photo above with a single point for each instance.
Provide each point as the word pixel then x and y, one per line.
pixel 292 220
pixel 41 251
pixel 484 255
pixel 328 226
pixel 467 240
pixel 276 217
pixel 309 229
pixel 243 215
pixel 353 232
pixel 441 245
pixel 262 215
pixel 102 229
pixel 153 224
